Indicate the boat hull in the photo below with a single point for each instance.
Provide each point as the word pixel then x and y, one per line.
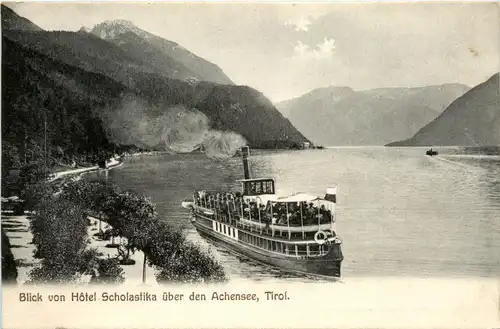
pixel 327 266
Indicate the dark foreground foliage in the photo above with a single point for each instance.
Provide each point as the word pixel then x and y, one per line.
pixel 9 270
pixel 134 217
pixel 179 261
pixel 59 229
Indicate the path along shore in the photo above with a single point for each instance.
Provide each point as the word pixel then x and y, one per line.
pixel 17 229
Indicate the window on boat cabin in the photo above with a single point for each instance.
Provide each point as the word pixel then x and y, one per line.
pixel 268 187
pixel 259 187
pixel 224 228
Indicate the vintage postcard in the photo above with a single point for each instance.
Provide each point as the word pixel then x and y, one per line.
pixel 250 165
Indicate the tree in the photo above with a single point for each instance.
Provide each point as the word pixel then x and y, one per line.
pixel 35 194
pixel 111 233
pixel 134 217
pixel 32 174
pixel 59 234
pixel 9 269
pixel 109 272
pixel 10 157
pixel 179 261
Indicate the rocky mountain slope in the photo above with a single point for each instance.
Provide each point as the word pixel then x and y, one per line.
pixel 84 85
pixel 471 120
pixel 12 21
pixel 166 56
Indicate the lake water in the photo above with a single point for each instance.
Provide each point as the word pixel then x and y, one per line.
pixel 399 212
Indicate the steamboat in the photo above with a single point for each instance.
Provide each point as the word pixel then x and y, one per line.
pixel 431 152
pixel 295 233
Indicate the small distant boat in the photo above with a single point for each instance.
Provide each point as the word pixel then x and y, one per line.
pixel 431 152
pixel 110 163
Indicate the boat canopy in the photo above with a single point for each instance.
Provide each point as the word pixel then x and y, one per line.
pixel 299 197
pixel 255 179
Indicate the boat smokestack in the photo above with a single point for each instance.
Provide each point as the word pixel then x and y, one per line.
pixel 331 194
pixel 244 156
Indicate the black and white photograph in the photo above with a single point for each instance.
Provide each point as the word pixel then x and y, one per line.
pixel 338 149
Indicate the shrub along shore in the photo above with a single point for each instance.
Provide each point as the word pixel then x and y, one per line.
pixel 59 222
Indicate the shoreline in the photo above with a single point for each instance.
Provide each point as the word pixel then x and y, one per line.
pixel 20 236
pixel 17 229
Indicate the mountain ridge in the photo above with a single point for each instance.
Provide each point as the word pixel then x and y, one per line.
pixel 86 88
pixel 12 21
pixel 471 120
pixel 342 116
pixel 113 31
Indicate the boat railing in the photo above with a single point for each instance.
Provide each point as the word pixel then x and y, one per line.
pixel 271 212
pixel 292 233
pixel 285 228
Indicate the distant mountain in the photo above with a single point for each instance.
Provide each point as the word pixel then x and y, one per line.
pixel 73 97
pixel 79 83
pixel 12 21
pixel 471 120
pixel 314 99
pixel 36 87
pixel 342 116
pixel 166 56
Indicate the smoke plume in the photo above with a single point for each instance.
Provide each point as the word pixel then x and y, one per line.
pixel 175 129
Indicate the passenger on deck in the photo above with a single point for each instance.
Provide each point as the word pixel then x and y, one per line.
pixel 327 214
pixel 282 220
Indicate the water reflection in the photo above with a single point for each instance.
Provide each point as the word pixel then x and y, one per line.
pixel 400 212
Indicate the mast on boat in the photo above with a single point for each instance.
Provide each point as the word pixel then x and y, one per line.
pixel 245 153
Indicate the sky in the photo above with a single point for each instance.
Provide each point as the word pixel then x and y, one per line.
pixel 285 50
